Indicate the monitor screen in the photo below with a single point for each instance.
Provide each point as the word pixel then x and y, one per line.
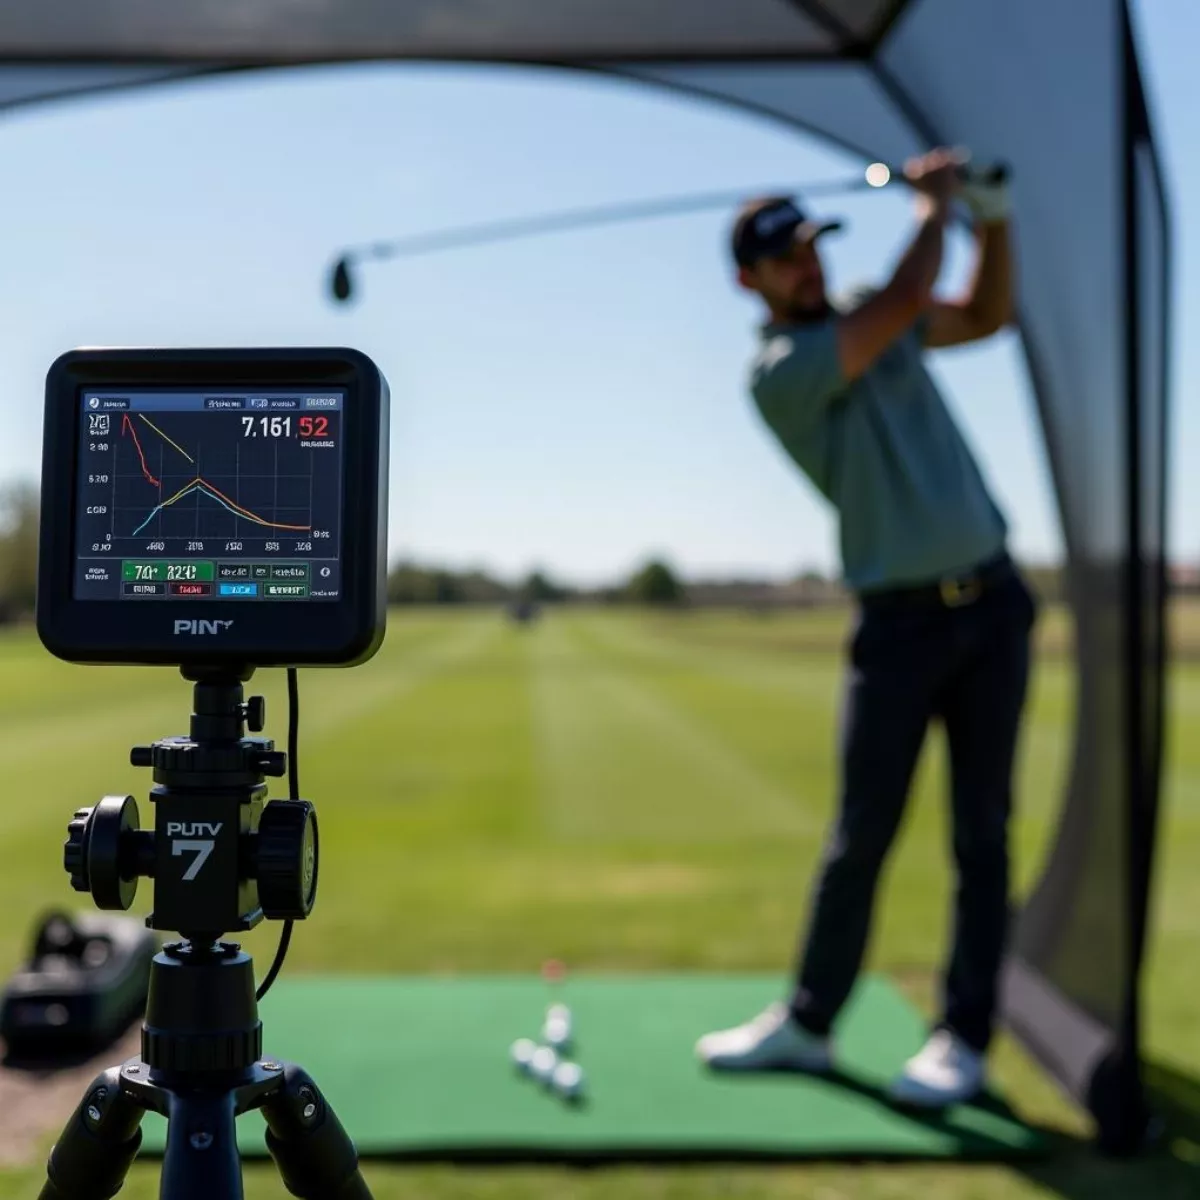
pixel 222 494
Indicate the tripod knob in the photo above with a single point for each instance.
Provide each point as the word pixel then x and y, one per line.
pixel 273 762
pixel 256 714
pixel 287 859
pixel 97 852
pixel 75 850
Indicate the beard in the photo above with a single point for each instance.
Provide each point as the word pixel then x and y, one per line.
pixel 805 312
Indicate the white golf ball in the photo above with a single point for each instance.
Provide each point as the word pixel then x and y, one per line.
pixel 522 1052
pixel 556 1032
pixel 878 174
pixel 568 1079
pixel 543 1063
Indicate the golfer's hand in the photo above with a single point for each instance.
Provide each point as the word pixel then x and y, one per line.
pixel 935 176
pixel 989 203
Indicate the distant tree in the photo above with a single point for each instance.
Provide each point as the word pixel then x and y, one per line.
pixel 538 589
pixel 480 588
pixel 446 588
pixel 412 584
pixel 18 549
pixel 408 584
pixel 656 584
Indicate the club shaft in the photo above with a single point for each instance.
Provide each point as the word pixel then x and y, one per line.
pixel 549 223
pixel 591 217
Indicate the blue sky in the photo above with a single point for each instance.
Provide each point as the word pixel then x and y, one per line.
pixel 574 402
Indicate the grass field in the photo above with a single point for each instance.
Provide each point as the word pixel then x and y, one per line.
pixel 620 790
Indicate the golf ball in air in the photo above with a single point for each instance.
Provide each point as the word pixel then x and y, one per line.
pixel 878 174
pixel 543 1063
pixel 568 1079
pixel 522 1052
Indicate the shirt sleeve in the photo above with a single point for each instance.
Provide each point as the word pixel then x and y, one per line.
pixel 920 329
pixel 796 376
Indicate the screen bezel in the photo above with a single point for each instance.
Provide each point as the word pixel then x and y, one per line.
pixel 268 633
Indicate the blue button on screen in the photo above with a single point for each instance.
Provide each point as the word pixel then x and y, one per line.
pixel 237 589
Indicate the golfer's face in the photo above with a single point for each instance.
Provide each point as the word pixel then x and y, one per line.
pixel 793 282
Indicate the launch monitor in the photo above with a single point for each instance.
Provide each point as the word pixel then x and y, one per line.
pixel 215 507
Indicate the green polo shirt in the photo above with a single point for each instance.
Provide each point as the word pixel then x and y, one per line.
pixel 883 450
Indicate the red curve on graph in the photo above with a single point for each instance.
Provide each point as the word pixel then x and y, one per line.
pixel 126 423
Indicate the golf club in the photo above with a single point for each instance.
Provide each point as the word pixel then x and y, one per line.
pixel 877 175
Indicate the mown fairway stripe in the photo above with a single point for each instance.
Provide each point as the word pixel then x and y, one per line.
pixel 810 676
pixel 354 695
pixel 617 760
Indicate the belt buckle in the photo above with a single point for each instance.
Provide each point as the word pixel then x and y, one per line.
pixel 957 592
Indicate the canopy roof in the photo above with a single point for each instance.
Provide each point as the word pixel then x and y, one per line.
pixel 1053 87
pixel 559 30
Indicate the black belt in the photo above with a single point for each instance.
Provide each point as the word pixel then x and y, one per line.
pixel 953 591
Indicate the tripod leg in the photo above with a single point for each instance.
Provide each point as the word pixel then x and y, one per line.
pixel 314 1154
pixel 98 1143
pixel 201 1160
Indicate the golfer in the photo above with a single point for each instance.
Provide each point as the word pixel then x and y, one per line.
pixel 943 617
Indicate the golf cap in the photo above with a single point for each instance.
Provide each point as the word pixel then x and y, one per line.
pixel 768 227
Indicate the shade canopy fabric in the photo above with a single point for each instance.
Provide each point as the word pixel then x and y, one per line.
pixel 1053 87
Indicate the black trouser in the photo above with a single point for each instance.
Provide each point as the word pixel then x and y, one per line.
pixel 911 660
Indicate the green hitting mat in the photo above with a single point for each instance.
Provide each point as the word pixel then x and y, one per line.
pixel 420 1068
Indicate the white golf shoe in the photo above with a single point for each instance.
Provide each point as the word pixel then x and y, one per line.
pixel 945 1071
pixel 772 1041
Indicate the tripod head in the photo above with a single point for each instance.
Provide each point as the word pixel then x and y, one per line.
pixel 220 857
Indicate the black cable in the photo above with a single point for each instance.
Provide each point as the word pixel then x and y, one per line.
pixel 285 938
pixel 293 734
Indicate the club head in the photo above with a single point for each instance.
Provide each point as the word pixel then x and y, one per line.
pixel 341 285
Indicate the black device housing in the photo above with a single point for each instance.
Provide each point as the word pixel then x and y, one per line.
pixel 335 633
pixel 85 980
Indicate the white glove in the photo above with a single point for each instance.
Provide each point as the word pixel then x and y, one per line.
pixel 988 202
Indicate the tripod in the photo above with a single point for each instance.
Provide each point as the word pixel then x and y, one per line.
pixel 221 860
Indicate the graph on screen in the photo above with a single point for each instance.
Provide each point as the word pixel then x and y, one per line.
pixel 194 496
pixel 207 477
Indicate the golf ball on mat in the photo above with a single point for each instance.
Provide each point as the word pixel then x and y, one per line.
pixel 568 1079
pixel 556 1032
pixel 522 1053
pixel 543 1063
